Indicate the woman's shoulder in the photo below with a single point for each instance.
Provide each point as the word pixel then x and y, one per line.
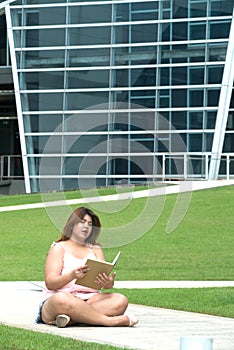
pixel 57 246
pixel 97 251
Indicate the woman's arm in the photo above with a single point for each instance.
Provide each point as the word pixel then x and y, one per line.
pixel 53 269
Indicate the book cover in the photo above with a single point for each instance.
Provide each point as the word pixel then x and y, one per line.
pixel 96 267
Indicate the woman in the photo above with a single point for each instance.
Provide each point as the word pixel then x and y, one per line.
pixel 67 302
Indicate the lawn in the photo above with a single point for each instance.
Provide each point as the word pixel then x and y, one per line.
pixel 199 248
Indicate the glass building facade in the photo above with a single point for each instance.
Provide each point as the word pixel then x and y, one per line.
pixel 122 91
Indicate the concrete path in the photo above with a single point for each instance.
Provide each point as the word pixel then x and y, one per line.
pixel 158 329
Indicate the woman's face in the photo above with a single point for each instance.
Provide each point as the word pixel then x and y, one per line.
pixel 82 230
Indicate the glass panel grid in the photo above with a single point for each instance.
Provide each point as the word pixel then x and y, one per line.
pixel 167 56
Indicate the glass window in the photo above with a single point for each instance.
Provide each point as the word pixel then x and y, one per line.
pixel 208 142
pixel 90 14
pixel 42 80
pixel 42 2
pixel 195 142
pixel 165 31
pixel 87 79
pixel 89 36
pixel 142 143
pixel 178 142
pixel 195 120
pixel 40 37
pixel 3 41
pixel 232 100
pixel 179 54
pixel 229 147
pixel 198 9
pixel 44 166
pixel 178 120
pixel 197 31
pixel 44 16
pixel 120 77
pixel 119 143
pixel 196 52
pixel 196 98
pixel 86 121
pixel 215 74
pixel 40 59
pixel 134 55
pixel 142 120
pixel 141 165
pixel 180 8
pixel 210 120
pixel 46 144
pixel 196 75
pixel 144 11
pixel 143 77
pixel 81 100
pixel 164 76
pixel 179 76
pixel 88 57
pixel 144 33
pixel 43 122
pixel 81 166
pixel 143 98
pixel 121 12
pixel 179 98
pixel 217 52
pixel 221 7
pixel 213 97
pixel 85 144
pixel 121 35
pixel 219 29
pixel 42 101
pixel 180 31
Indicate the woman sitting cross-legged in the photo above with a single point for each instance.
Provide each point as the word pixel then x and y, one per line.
pixel 66 302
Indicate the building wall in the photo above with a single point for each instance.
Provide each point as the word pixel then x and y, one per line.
pixel 109 91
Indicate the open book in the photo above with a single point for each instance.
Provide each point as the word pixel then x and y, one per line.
pixel 96 267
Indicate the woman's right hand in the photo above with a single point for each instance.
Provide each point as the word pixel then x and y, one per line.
pixel 80 272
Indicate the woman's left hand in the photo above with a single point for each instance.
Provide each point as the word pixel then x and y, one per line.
pixel 105 281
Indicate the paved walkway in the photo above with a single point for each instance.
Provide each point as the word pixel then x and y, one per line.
pixel 158 329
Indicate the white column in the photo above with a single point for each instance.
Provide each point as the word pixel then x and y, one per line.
pixel 17 99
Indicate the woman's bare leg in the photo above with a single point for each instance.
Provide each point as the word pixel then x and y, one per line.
pixel 79 311
pixel 110 304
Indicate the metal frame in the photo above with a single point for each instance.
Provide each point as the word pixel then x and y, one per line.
pixel 17 99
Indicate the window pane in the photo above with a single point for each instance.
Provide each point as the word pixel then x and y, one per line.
pixel 42 80
pixel 90 14
pixel 197 31
pixel 81 100
pixel 87 79
pixel 196 75
pixel 88 57
pixel 40 59
pixel 215 74
pixel 89 36
pixel 43 123
pixel 219 29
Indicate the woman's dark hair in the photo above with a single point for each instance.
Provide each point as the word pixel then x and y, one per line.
pixel 76 217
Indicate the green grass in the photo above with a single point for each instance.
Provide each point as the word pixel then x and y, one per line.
pixel 20 339
pixel 75 194
pixel 211 301
pixel 200 248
